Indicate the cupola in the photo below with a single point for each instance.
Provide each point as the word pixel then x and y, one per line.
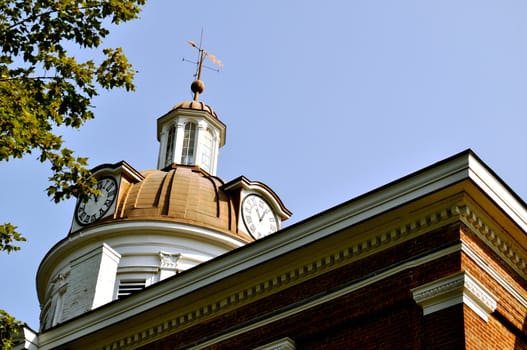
pixel 147 226
pixel 190 134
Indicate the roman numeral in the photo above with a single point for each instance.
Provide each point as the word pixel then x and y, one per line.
pixel 109 186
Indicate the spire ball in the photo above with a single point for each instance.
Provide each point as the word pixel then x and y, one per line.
pixel 197 86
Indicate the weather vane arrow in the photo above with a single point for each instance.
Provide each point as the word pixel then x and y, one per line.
pixel 198 86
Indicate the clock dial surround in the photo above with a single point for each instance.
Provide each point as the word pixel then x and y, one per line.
pixel 97 206
pixel 258 217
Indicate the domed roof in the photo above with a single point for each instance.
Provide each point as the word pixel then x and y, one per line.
pixel 195 105
pixel 182 194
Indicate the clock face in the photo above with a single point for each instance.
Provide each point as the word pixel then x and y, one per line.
pixel 96 206
pixel 258 217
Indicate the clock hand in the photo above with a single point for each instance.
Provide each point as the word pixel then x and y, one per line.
pixel 258 214
pixel 261 217
pixel 257 229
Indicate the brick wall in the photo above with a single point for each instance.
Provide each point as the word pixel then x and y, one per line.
pixel 444 329
pixel 381 315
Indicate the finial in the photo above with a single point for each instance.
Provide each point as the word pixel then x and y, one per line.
pixel 197 88
pixel 197 85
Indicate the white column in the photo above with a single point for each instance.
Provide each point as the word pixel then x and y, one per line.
pixel 215 151
pixel 199 135
pixel 178 142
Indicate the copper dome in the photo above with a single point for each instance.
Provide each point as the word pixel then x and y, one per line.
pixel 182 194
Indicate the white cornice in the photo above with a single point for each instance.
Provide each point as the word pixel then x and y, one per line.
pixel 376 202
pixel 138 227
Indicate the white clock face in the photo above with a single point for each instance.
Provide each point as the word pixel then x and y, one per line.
pixel 96 206
pixel 258 216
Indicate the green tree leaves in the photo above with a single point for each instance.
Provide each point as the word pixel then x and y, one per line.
pixel 115 71
pixel 8 235
pixel 9 328
pixel 44 86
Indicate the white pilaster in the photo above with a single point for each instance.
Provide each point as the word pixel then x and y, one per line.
pixel 106 277
pixel 91 281
pixel 200 131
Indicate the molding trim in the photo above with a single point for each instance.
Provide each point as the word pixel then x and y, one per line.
pixel 482 264
pixel 452 290
pixel 494 239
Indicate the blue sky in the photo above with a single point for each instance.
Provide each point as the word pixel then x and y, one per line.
pixel 323 101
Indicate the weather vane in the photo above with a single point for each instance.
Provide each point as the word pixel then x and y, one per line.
pixel 198 86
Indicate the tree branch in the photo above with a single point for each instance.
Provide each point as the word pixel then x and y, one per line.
pixel 37 16
pixel 30 78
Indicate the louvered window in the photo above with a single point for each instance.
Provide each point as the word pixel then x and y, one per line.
pixel 127 287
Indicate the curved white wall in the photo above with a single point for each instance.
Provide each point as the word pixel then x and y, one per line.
pixel 84 270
